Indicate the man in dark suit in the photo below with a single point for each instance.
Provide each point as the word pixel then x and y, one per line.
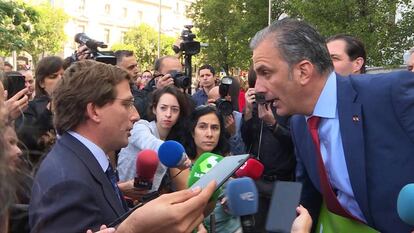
pixel 75 188
pixel 361 153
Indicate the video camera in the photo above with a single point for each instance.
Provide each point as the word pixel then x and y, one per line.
pixel 106 57
pixel 188 45
pixel 224 106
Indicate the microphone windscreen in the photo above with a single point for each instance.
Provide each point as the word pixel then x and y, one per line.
pixel 171 154
pixel 251 168
pixel 202 165
pixel 146 164
pixel 242 196
pixel 405 204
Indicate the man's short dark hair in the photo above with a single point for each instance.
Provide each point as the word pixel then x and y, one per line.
pixel 296 41
pixel 120 54
pixel 208 67
pixel 84 82
pixel 354 48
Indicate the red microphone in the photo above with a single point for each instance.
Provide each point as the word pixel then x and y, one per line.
pixel 251 168
pixel 146 166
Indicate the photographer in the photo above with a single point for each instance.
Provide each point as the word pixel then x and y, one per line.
pixel 267 137
pixel 219 95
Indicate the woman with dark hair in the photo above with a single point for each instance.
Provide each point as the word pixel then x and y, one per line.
pixel 35 126
pixel 168 110
pixel 207 134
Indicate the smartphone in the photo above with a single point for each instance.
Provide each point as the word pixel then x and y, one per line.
pixel 282 211
pixel 13 83
pixel 260 98
pixel 222 171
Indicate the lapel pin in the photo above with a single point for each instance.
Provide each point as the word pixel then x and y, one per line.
pixel 355 118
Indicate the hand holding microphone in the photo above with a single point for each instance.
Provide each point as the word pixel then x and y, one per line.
pixel 172 155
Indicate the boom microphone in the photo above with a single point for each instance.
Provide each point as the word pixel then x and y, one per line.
pixel 172 155
pixel 146 166
pixel 203 164
pixel 82 38
pixel 242 200
pixel 405 204
pixel 251 168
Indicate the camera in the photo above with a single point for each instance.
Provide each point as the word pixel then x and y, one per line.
pixel 180 79
pixel 188 45
pixel 224 106
pixel 106 57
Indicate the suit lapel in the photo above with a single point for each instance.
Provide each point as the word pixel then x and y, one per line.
pixel 351 128
pixel 84 154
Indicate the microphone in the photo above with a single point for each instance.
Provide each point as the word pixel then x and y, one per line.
pixel 405 204
pixel 172 154
pixel 251 168
pixel 146 165
pixel 83 39
pixel 242 200
pixel 202 165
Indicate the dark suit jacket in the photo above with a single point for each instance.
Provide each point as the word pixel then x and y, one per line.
pixel 376 116
pixel 71 192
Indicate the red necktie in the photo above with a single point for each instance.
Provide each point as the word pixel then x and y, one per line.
pixel 329 196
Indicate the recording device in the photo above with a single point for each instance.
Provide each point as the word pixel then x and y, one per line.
pixel 180 79
pixel 224 107
pixel 172 154
pixel 189 47
pixel 13 83
pixel 260 98
pixel 282 211
pixel 252 168
pixel 146 166
pixel 405 204
pixel 106 57
pixel 243 201
pixel 210 167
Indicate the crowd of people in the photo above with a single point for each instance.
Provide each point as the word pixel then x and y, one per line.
pixel 307 112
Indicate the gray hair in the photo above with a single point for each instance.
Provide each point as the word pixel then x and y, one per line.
pixel 296 41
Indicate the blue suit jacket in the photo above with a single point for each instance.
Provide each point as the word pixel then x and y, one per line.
pixel 378 148
pixel 71 193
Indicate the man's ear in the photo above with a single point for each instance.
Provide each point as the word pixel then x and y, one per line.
pixel 304 71
pixel 357 65
pixel 93 112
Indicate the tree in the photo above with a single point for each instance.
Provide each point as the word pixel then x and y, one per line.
pixel 16 20
pixel 48 34
pixel 373 21
pixel 143 40
pixel 228 26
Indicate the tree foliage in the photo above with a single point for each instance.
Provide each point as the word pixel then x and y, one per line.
pixel 143 40
pixel 373 21
pixel 16 21
pixel 48 33
pixel 227 26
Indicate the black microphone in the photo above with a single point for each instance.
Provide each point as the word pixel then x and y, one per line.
pixel 82 38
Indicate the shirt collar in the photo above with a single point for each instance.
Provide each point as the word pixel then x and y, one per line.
pixel 326 105
pixel 97 152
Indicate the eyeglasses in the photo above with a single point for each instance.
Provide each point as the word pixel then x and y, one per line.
pixel 127 103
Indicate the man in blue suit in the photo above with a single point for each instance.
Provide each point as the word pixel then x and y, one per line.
pixel 75 188
pixel 364 143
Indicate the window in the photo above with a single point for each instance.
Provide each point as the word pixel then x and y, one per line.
pixel 81 28
pixel 81 7
pixel 107 35
pixel 124 12
pixel 123 35
pixel 139 16
pixel 107 9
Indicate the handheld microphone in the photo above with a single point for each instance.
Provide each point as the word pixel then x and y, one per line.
pixel 203 164
pixel 242 200
pixel 146 166
pixel 172 155
pixel 251 168
pixel 405 204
